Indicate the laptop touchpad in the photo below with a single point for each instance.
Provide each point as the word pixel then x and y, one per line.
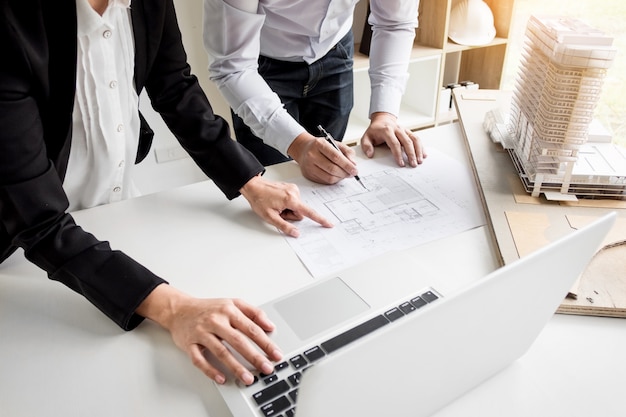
pixel 320 307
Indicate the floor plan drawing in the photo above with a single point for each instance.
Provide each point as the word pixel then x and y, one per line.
pixel 389 199
pixel 401 207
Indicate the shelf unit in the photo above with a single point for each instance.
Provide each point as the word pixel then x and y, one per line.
pixel 435 62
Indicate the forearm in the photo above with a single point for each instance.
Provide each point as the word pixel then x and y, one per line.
pixel 252 99
pixel 232 40
pixel 394 26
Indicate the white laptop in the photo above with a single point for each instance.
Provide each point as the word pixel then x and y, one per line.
pixel 417 355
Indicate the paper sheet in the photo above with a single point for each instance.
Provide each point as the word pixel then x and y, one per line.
pixel 401 208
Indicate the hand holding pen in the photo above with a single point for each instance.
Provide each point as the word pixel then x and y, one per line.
pixel 331 140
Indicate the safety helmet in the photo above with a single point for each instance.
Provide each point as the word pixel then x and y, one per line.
pixel 471 23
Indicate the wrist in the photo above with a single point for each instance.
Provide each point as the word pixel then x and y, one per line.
pixel 298 145
pixel 161 305
pixel 249 187
pixel 381 115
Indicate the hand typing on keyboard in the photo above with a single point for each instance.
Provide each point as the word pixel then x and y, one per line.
pixel 204 327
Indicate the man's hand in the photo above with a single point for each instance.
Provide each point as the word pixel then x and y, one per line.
pixel 320 161
pixel 384 128
pixel 199 325
pixel 277 202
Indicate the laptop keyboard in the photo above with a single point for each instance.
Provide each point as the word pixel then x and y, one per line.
pixel 276 394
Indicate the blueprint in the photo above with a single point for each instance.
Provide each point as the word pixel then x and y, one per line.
pixel 401 208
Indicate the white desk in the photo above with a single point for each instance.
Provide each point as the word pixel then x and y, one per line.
pixel 59 356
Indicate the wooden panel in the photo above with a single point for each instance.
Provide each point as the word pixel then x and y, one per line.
pixel 502 13
pixel 483 66
pixel 433 23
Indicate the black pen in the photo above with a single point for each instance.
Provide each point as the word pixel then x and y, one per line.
pixel 331 140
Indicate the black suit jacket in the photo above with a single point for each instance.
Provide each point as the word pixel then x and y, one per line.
pixel 37 88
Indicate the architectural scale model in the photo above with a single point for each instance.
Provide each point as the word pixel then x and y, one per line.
pixel 547 129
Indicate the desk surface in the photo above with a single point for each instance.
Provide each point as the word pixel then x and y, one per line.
pixel 60 356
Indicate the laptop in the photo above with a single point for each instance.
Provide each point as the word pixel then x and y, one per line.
pixel 420 353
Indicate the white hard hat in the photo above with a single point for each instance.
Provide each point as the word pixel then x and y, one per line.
pixel 471 23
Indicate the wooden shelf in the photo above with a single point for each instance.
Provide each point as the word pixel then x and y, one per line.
pixel 455 47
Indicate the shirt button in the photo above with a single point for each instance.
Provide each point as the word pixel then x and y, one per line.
pixel 113 84
pixel 121 164
pixel 120 128
pixel 107 34
pixel 117 189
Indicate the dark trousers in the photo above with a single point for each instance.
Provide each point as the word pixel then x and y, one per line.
pixel 316 94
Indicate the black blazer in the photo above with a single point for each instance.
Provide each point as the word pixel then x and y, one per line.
pixel 37 88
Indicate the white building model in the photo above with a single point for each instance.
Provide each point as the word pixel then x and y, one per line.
pixel 547 131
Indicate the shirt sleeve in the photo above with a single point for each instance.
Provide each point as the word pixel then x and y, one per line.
pixel 393 25
pixel 232 41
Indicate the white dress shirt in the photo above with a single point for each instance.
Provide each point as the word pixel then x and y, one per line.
pixel 105 120
pixel 236 32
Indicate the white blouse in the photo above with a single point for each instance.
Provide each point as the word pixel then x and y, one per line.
pixel 105 118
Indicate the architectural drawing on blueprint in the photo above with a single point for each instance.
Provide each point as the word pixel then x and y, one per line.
pixel 389 199
pixel 402 207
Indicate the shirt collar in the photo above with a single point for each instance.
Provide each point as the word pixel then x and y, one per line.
pixel 89 19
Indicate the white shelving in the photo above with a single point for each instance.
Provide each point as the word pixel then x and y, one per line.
pixel 436 62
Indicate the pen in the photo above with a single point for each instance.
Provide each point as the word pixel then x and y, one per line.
pixel 331 140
